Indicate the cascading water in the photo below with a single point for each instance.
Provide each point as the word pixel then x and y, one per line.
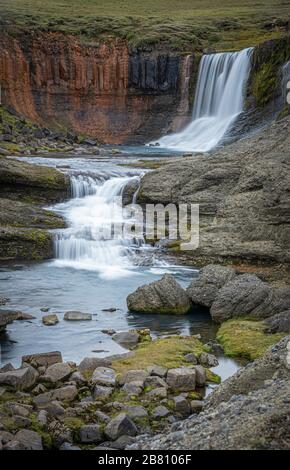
pixel 91 213
pixel 218 101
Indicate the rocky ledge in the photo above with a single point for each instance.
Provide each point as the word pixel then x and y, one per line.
pixel 248 411
pixel 243 195
pixel 24 224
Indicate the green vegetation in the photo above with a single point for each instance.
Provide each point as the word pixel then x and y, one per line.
pixel 184 24
pixel 168 352
pixel 246 338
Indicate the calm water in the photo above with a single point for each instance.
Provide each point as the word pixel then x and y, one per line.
pixel 91 274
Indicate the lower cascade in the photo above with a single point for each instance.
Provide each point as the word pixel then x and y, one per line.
pixel 218 101
pixel 91 214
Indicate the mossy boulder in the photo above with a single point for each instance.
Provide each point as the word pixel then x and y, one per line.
pixel 25 244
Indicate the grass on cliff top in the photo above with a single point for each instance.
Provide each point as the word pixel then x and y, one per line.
pixel 246 338
pixel 167 352
pixel 182 24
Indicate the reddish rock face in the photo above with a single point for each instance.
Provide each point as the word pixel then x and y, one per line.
pixel 103 91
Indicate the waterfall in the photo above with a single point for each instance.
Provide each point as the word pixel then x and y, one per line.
pixel 218 101
pixel 91 213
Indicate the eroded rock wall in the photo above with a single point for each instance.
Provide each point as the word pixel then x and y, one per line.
pixel 102 90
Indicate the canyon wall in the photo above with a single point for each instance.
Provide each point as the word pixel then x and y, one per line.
pixel 102 90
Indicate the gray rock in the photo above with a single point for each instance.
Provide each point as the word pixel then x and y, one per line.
pixel 54 409
pixel 57 372
pixel 7 368
pixel 155 381
pixel 208 360
pixel 28 440
pixel 162 296
pixel 133 388
pixel 102 417
pixel 50 320
pixel 40 388
pixel 160 392
pixel 160 412
pixel 104 376
pixel 18 409
pixel 138 375
pixel 279 323
pixel 77 316
pixel 67 393
pixel 42 418
pixel 159 371
pixel 181 406
pixel 119 426
pixel 102 393
pixel 182 379
pixel 127 339
pixel 196 406
pixel 68 446
pixel 200 376
pixel 5 437
pixel 89 364
pixel 91 434
pixel 122 442
pixel 43 359
pixel 190 357
pixel 19 379
pixel 21 422
pixel 6 317
pixel 135 411
pixel 78 378
pixel 204 289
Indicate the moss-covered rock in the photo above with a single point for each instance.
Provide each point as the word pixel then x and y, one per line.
pixel 25 244
pixel 246 338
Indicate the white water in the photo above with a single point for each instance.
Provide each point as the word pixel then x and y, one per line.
pixel 91 214
pixel 218 102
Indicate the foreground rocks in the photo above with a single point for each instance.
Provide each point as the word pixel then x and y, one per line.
pixel 248 411
pixel 53 404
pixel 163 296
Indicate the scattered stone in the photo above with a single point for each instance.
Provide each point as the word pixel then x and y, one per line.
pixel 68 446
pixel 54 409
pixel 27 440
pixel 182 379
pixel 102 416
pixel 42 418
pixel 21 421
pixel 44 309
pixel 136 411
pixel 78 378
pixel 25 316
pixel 91 434
pixel 200 376
pixel 160 412
pixel 138 375
pixel 162 296
pixel 40 388
pixel 181 406
pixel 204 289
pixel 104 376
pixel 50 320
pixel 196 406
pixel 133 388
pixel 159 371
pixel 89 364
pixel 77 316
pixel 109 332
pixel 42 359
pixel 19 379
pixel 67 393
pixel 119 426
pixel 191 357
pixel 208 360
pixel 127 339
pixel 155 381
pixel 122 442
pixel 57 372
pixel 160 392
pixel 112 309
pixel 102 393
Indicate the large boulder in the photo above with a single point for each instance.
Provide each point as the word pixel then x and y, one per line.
pixel 19 379
pixel 182 379
pixel 104 376
pixel 249 296
pixel 25 440
pixel 90 434
pixel 89 364
pixel 67 394
pixel 119 426
pixel 204 289
pixel 162 296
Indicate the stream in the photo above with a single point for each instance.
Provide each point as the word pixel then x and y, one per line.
pixel 93 274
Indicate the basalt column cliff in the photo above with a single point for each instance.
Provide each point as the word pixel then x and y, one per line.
pixel 103 90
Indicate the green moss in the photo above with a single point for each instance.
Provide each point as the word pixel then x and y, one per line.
pixel 8 423
pixel 168 352
pixel 47 440
pixel 265 83
pixel 212 377
pixel 246 338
